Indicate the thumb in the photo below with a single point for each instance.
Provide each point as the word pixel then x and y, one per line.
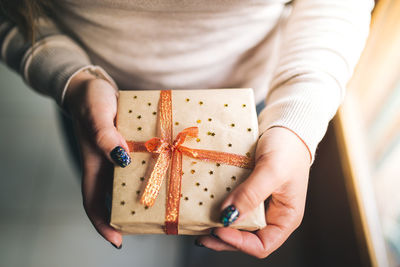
pixel 110 141
pixel 250 194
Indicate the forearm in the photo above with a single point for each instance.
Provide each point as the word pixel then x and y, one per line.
pixel 49 64
pixel 321 44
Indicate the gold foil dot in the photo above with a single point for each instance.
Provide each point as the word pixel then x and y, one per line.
pixel 249 129
pixel 212 196
pixel 205 189
pixel 176 123
pixel 154 113
pixel 225 105
pixel 197 184
pixel 230 145
pixel 187 99
pixel 135 96
pixel 183 173
pixel 186 198
pixel 130 111
pixel 244 105
pixel 142 179
pixel 194 162
pixel 233 178
pixel 139 117
pixel 232 125
pixel 211 172
pixel 139 128
pixel 228 189
pixel 192 171
pixel 209 119
pixel 146 207
pixel 122 203
pixel 217 164
pixel 133 212
pixel 200 203
pixel 198 121
pixel 209 133
pixel 149 104
pixel 201 103
pixel 143 162
pixel 197 140
pixel 123 184
pixel 248 154
pixel 137 192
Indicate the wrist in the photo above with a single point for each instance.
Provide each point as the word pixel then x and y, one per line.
pixel 75 88
pixel 285 141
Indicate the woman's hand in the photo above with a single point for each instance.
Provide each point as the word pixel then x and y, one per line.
pixel 92 104
pixel 281 174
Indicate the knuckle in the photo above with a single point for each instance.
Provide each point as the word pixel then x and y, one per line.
pixel 250 196
pixel 101 136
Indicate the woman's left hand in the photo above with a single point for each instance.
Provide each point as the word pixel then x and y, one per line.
pixel 281 174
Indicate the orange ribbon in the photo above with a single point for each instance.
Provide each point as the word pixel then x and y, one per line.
pixel 170 158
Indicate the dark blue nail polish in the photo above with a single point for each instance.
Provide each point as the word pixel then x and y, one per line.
pixel 120 156
pixel 115 246
pixel 213 234
pixel 197 243
pixel 229 215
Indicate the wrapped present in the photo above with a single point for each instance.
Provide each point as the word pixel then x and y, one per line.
pixel 189 149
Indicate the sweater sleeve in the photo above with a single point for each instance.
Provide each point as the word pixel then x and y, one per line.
pixel 50 63
pixel 321 42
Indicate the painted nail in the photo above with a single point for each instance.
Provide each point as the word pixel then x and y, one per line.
pixel 229 215
pixel 120 156
pixel 213 234
pixel 197 243
pixel 115 246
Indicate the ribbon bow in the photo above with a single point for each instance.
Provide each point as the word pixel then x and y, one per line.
pixel 170 158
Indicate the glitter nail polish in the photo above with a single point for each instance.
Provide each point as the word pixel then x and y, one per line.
pixel 197 243
pixel 213 234
pixel 120 156
pixel 229 215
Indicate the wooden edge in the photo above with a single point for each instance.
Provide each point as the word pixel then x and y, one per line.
pixel 358 180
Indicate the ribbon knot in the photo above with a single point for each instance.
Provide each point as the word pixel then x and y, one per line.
pixel 170 159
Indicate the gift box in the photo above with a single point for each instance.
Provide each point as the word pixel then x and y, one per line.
pixel 189 149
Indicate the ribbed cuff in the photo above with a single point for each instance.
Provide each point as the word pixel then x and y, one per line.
pixel 304 108
pixel 50 63
pixel 96 71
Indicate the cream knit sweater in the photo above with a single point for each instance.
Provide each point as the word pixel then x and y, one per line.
pixel 297 55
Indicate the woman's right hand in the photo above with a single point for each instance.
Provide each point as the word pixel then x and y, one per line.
pixel 92 104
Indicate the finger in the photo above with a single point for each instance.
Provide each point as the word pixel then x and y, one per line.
pixel 251 193
pixel 94 184
pixel 263 242
pixel 214 244
pixel 113 145
pixel 97 174
pixel 282 219
pixel 102 132
pixel 98 218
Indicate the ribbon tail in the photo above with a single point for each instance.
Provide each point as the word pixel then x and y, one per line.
pixel 174 194
pixel 157 176
pixel 219 157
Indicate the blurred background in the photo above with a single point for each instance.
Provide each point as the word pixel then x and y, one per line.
pixel 353 208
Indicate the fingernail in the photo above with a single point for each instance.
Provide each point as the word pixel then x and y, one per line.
pixel 197 243
pixel 120 156
pixel 115 246
pixel 229 215
pixel 213 234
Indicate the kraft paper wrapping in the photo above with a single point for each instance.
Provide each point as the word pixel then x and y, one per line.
pixel 227 122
